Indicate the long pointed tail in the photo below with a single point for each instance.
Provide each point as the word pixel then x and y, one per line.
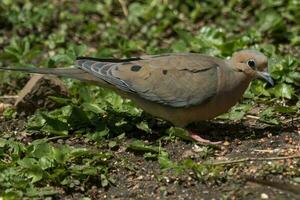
pixel 75 73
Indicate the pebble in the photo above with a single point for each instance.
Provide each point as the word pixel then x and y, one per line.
pixel 264 196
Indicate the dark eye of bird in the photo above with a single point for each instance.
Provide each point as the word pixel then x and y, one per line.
pixel 251 63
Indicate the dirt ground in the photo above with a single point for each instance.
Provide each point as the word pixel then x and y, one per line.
pixel 139 178
pixel 146 181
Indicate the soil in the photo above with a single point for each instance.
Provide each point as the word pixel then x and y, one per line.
pixel 139 178
pixel 147 181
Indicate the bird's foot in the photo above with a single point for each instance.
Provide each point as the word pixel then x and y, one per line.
pixel 199 139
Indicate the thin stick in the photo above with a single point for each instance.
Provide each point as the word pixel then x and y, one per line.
pixel 291 120
pixel 252 117
pixel 264 150
pixel 251 159
pixel 9 97
pixel 57 137
pixel 124 7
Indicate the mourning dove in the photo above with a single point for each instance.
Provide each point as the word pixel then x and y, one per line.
pixel 180 88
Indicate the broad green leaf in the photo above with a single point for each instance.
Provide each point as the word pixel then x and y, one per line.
pixel 283 91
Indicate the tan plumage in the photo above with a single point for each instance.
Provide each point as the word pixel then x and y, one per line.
pixel 181 88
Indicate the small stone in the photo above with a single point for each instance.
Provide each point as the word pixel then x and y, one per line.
pixel 188 154
pixel 167 179
pixel 264 196
pixel 162 188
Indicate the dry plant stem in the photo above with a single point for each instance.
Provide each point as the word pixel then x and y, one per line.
pixel 251 159
pixel 9 97
pixel 291 120
pixel 284 122
pixel 252 117
pixel 124 7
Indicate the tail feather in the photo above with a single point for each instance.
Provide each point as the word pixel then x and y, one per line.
pixel 75 73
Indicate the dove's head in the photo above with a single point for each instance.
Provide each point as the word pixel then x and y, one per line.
pixel 252 63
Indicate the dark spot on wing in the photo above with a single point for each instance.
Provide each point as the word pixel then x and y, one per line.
pixel 126 63
pixel 164 71
pixel 135 68
pixel 215 65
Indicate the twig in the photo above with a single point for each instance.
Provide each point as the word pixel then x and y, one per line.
pixel 251 159
pixel 291 120
pixel 124 7
pixel 264 150
pixel 57 137
pixel 252 117
pixel 9 97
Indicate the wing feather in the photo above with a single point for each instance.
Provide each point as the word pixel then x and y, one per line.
pixel 176 80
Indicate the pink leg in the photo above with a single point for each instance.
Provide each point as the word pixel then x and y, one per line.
pixel 199 139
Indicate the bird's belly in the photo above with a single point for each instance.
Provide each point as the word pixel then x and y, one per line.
pixel 183 116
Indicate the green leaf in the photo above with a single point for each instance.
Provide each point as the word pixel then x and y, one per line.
pixel 179 132
pixel 296 179
pixel 236 113
pixel 165 162
pixel 112 144
pixel 55 126
pixel 39 148
pixel 104 180
pixel 60 100
pixel 270 21
pixel 139 145
pixel 286 109
pixel 144 127
pixel 93 108
pixel 10 113
pixel 40 192
pixel 99 134
pixel 36 122
pixel 31 169
pixel 268 116
pixel 283 91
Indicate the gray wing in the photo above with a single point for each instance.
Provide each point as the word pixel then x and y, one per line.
pixel 176 80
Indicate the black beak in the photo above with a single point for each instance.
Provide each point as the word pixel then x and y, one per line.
pixel 266 76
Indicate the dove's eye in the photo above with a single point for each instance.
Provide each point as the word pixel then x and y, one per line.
pixel 251 63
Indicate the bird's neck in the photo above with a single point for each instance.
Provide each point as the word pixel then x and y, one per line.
pixel 232 85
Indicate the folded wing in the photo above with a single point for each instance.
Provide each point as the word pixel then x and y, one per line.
pixel 176 80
